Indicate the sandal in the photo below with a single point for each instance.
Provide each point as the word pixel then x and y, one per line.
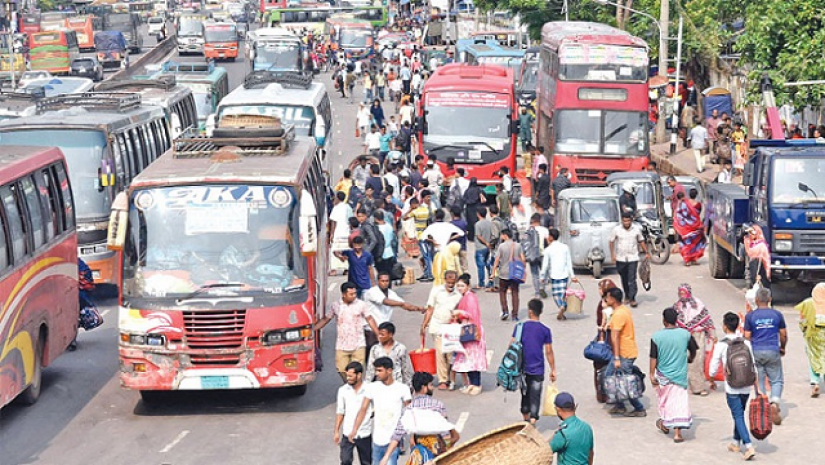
pixel 661 425
pixel 815 392
pixel 678 440
pixel 561 317
pixel 443 386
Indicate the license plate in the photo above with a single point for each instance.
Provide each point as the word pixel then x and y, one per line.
pixel 814 219
pixel 214 382
pixel 221 55
pixel 474 155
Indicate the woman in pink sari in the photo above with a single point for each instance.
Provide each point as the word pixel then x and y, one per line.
pixel 687 221
pixel 474 361
pixel 759 255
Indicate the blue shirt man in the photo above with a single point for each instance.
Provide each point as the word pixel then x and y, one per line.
pixel 765 328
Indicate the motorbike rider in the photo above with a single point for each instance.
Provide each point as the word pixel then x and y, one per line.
pixel 627 201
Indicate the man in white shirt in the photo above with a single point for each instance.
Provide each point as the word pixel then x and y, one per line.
pixel 382 300
pixel 441 232
pixel 440 305
pixel 406 77
pixel 625 240
pixel 372 142
pixel 339 227
pixel 350 399
pixel 415 84
pixel 724 176
pixel 406 113
pixel 557 269
pixel 434 175
pixel 698 142
pixel 535 266
pixel 737 398
pixel 387 398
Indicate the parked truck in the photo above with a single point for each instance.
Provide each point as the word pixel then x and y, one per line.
pixel 127 23
pixel 111 48
pixel 783 192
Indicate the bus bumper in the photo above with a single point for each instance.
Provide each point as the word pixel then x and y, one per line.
pixel 593 171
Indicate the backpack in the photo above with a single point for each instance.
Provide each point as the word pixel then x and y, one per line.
pixel 531 245
pixel 515 195
pixel 507 224
pixel 378 249
pixel 739 369
pixel 455 198
pixel 510 375
pixel 355 195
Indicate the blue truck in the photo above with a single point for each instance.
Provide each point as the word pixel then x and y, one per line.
pixel 784 193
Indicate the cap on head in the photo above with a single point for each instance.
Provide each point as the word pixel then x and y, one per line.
pixel 565 401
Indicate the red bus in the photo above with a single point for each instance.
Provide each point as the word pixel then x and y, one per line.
pixel 220 41
pixel 38 268
pixel 273 4
pixel 29 22
pixel 468 113
pixel 592 100
pixel 224 266
pixel 82 25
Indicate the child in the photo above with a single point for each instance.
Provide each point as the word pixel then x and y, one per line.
pixel 740 150
pixel 392 126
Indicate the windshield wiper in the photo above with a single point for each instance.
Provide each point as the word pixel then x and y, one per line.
pixel 447 146
pixel 208 287
pixel 487 145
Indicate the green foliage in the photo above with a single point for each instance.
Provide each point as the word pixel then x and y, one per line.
pixel 47 5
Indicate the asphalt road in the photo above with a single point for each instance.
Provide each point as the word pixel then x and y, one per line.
pixel 84 417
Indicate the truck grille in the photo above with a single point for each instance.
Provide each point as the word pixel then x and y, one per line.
pixel 214 329
pixel 812 242
pixel 593 177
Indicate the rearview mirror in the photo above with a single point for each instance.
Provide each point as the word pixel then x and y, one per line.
pixel 118 222
pixel 307 230
pixel 514 126
pixel 747 175
pixel 106 175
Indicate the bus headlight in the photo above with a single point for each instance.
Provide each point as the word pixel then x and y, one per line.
pixel 783 245
pixel 155 340
pixel 282 336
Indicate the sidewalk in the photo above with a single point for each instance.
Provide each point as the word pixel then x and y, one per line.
pixel 682 163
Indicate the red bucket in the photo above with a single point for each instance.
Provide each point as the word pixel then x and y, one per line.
pixel 423 359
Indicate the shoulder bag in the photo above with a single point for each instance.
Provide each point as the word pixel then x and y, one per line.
pixel 516 267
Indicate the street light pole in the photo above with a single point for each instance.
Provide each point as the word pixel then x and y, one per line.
pixel 674 124
pixel 664 19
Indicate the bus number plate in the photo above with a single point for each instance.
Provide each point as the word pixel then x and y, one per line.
pixel 814 219
pixel 214 382
pixel 474 155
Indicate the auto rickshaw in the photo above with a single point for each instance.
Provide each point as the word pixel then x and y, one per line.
pixel 585 217
pixel 650 209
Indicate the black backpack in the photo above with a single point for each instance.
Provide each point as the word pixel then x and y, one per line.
pixel 380 243
pixel 739 368
pixel 532 245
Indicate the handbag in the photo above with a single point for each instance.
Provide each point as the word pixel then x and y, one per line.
pixel 450 338
pixel 550 393
pixel 621 386
pixel 469 333
pixel 516 268
pixel 598 350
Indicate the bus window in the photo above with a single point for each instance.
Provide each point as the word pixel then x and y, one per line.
pixel 17 232
pixel 48 198
pixel 66 196
pixel 35 211
pixel 4 249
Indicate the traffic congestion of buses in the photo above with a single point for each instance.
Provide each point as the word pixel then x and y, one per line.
pixel 206 207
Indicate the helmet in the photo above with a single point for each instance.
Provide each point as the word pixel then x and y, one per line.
pixel 629 187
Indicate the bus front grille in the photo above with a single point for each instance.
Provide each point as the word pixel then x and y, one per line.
pixel 214 329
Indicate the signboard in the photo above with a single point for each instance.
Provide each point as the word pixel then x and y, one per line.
pixel 583 54
pixel 467 99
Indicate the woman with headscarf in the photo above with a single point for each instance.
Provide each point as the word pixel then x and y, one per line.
pixel 812 323
pixel 603 314
pixel 377 112
pixel 687 222
pixel 446 259
pixel 474 361
pixel 759 255
pixel 695 317
pixel 473 197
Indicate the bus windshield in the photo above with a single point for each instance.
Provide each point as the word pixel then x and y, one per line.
pixel 598 132
pixel 191 27
pixel 612 63
pixel 355 38
pixel 203 98
pixel 213 241
pixel 84 151
pixel 220 34
pixel 798 180
pixel 302 117
pixel 277 56
pixel 530 77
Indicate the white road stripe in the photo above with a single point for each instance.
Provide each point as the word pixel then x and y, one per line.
pixel 104 312
pixel 489 357
pixel 462 420
pixel 175 441
pixel 330 287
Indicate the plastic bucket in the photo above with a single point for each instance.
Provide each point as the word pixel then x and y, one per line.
pixel 423 359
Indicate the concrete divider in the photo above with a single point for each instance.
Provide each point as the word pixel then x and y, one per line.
pixel 161 50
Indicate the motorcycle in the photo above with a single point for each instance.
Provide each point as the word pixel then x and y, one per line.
pixel 655 239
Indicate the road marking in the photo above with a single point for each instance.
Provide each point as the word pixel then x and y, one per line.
pixel 489 356
pixel 462 420
pixel 331 287
pixel 175 441
pixel 104 312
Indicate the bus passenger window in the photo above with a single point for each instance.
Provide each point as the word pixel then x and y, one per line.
pixel 4 248
pixel 35 211
pixel 66 196
pixel 48 198
pixel 17 231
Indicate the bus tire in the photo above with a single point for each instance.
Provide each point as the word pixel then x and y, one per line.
pixel 32 392
pixel 151 397
pixel 718 261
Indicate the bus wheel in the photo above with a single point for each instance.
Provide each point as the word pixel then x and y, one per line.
pixel 32 392
pixel 151 397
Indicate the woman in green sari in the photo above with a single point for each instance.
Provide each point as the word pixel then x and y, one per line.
pixel 812 323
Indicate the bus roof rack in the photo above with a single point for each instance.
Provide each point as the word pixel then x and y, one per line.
pixel 193 146
pixel 188 67
pixel 290 79
pixel 102 101
pixel 167 82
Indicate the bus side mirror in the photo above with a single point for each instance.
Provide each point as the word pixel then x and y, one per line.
pixel 747 176
pixel 514 126
pixel 106 175
pixel 307 231
pixel 118 222
pixel 210 125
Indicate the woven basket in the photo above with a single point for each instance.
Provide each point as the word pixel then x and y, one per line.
pixel 517 444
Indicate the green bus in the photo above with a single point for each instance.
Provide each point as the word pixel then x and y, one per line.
pixel 209 84
pixel 313 18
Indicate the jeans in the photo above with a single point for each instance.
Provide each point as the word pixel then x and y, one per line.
pixel 364 446
pixel 535 272
pixel 626 367
pixel 531 395
pixel 381 93
pixel 627 271
pixel 378 454
pixel 737 404
pixel 483 266
pixel 475 378
pixel 769 364
pixel 426 257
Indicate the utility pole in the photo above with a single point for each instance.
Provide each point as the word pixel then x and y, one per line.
pixel 674 124
pixel 664 16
